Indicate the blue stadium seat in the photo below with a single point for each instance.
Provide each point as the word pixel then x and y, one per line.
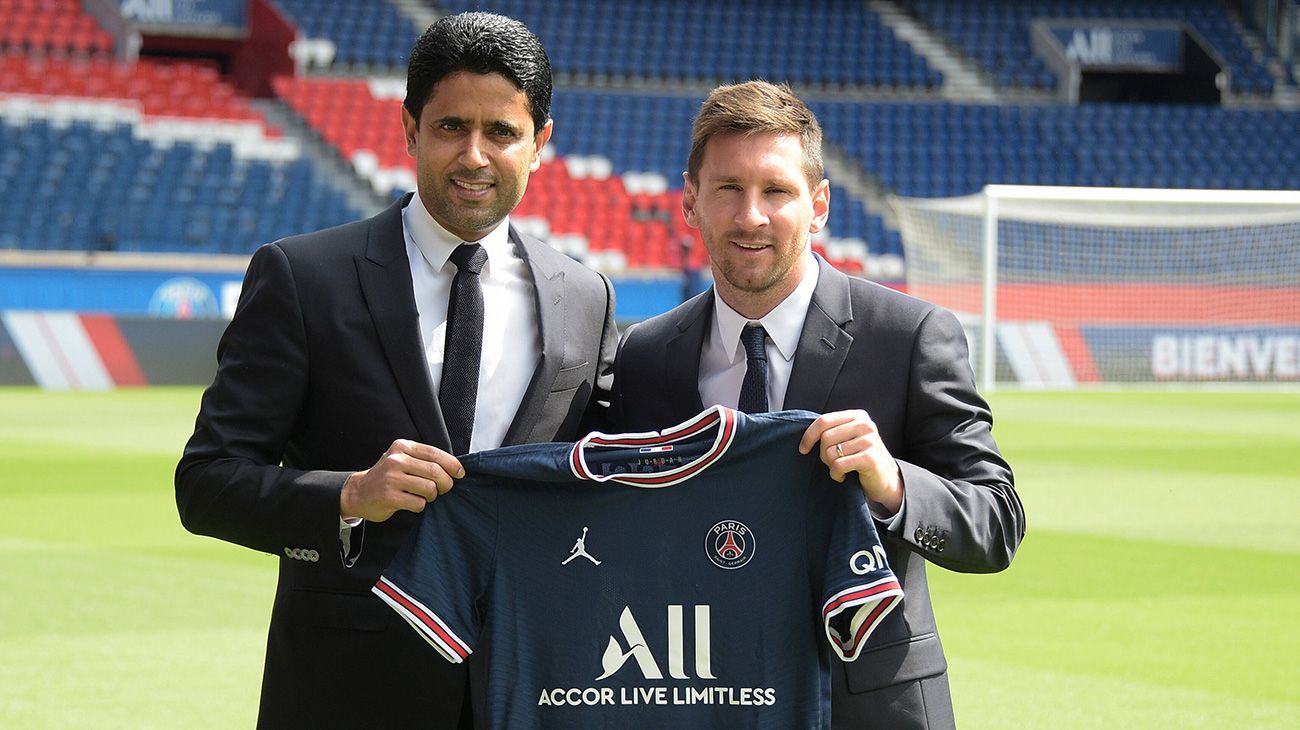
pixel 629 38
pixel 995 33
pixel 87 187
pixel 365 33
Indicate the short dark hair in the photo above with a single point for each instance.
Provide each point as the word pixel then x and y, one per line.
pixel 755 107
pixel 482 43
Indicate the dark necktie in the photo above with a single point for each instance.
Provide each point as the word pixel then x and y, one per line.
pixel 464 346
pixel 753 391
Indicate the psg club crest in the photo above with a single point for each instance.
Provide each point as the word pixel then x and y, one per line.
pixel 729 544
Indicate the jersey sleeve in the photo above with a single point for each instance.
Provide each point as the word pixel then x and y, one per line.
pixel 858 588
pixel 435 580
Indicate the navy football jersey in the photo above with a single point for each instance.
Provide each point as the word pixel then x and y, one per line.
pixel 699 576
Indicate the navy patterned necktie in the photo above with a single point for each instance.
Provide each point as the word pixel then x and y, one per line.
pixel 753 391
pixel 464 346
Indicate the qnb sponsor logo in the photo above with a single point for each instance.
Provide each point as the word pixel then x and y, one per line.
pixel 1226 357
pixel 868 561
pixel 632 648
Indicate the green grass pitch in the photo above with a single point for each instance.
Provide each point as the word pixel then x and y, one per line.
pixel 1159 585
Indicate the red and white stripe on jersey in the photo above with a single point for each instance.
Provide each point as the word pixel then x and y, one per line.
pixel 431 627
pixel 720 416
pixel 871 603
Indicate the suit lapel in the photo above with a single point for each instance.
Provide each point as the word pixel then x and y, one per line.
pixel 682 355
pixel 549 284
pixel 823 343
pixel 385 276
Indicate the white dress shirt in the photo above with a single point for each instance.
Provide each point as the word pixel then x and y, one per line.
pixel 511 335
pixel 722 360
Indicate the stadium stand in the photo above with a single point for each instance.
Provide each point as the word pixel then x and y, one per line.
pixel 938 150
pixel 154 156
pixel 604 192
pixel 359 34
pixel 190 89
pixel 70 184
pixel 680 40
pixel 178 136
pixel 50 26
pixel 996 33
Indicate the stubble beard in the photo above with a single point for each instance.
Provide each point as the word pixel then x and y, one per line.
pixel 454 214
pixel 755 284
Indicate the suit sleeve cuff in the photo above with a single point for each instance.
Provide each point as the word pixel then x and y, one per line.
pixel 888 521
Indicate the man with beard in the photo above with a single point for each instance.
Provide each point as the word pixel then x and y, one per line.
pixel 780 329
pixel 363 358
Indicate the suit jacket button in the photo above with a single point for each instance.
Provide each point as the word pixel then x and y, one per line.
pixel 920 535
pixel 939 546
pixel 288 552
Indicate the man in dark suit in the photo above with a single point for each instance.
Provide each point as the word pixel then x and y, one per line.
pixel 782 329
pixel 362 358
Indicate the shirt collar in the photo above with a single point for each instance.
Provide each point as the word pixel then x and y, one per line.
pixel 784 323
pixel 436 243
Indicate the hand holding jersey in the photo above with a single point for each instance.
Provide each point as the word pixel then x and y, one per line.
pixel 407 477
pixel 850 443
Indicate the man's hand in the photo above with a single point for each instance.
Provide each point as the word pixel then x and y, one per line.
pixel 849 443
pixel 408 476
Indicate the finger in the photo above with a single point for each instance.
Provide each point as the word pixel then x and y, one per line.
pixel 836 463
pixel 450 465
pixel 832 454
pixel 849 456
pixel 846 444
pixel 429 489
pixel 434 481
pixel 425 452
pixel 817 429
pixel 414 466
pixel 411 502
pixel 811 435
pixel 385 507
pixel 849 430
pixel 827 425
pixel 425 489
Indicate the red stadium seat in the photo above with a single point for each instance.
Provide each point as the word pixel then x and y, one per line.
pixel 51 26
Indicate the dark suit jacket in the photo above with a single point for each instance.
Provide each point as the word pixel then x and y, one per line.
pixel 904 362
pixel 319 371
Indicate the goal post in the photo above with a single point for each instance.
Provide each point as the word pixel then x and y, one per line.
pixel 1065 286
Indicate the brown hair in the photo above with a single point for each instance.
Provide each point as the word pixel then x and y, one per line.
pixel 755 107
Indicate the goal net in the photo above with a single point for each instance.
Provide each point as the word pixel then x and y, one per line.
pixel 1061 286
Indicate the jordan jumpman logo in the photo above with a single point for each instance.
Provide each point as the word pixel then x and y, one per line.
pixel 580 548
